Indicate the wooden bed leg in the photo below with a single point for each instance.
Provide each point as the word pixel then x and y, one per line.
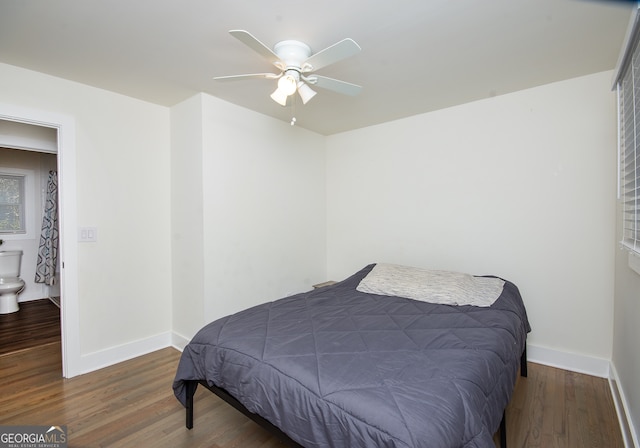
pixel 503 430
pixel 523 363
pixel 191 390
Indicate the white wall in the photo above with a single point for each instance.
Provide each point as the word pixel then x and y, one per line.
pixel 264 214
pixel 520 185
pixel 187 226
pixel 122 158
pixel 249 203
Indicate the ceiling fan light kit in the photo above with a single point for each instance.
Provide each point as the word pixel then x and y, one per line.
pixel 294 60
pixel 288 84
pixel 305 92
pixel 279 97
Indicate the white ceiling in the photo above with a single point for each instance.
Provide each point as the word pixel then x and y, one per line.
pixel 417 55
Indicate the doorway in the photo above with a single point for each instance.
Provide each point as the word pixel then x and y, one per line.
pixel 64 128
pixel 30 174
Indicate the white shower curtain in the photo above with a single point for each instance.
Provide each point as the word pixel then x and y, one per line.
pixel 48 250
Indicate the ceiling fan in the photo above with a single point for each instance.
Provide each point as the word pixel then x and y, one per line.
pixel 297 67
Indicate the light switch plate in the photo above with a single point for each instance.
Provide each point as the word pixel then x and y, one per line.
pixel 88 234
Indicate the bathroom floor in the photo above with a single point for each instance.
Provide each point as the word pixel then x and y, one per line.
pixel 36 323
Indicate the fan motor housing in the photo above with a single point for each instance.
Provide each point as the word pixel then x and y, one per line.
pixel 292 52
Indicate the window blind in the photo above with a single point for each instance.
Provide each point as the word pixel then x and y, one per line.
pixel 629 134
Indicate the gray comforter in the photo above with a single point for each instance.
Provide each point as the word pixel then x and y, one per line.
pixel 335 367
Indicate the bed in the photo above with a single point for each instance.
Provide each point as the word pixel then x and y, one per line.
pixel 354 365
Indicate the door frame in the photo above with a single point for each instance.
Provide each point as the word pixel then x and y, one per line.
pixel 68 219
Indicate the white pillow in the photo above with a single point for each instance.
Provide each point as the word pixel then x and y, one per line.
pixel 443 287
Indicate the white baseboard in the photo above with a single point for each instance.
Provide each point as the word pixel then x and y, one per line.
pixel 178 341
pixel 629 432
pixel 541 355
pixel 568 361
pixel 104 358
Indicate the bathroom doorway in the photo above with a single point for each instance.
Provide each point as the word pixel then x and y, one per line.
pixel 31 173
pixel 63 128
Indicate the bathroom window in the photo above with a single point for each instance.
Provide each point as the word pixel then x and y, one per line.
pixel 12 204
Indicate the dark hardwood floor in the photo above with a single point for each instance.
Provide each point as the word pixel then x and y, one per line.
pixel 131 404
pixel 36 323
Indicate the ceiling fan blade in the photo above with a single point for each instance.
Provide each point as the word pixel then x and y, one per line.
pixel 248 76
pixel 252 42
pixel 346 88
pixel 336 52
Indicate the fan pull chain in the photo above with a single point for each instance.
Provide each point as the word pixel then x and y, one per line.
pixel 293 110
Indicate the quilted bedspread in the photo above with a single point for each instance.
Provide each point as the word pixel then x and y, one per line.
pixel 335 367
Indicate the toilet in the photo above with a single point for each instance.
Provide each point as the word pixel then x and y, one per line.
pixel 10 282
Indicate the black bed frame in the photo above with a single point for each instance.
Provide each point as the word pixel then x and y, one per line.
pixel 266 424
